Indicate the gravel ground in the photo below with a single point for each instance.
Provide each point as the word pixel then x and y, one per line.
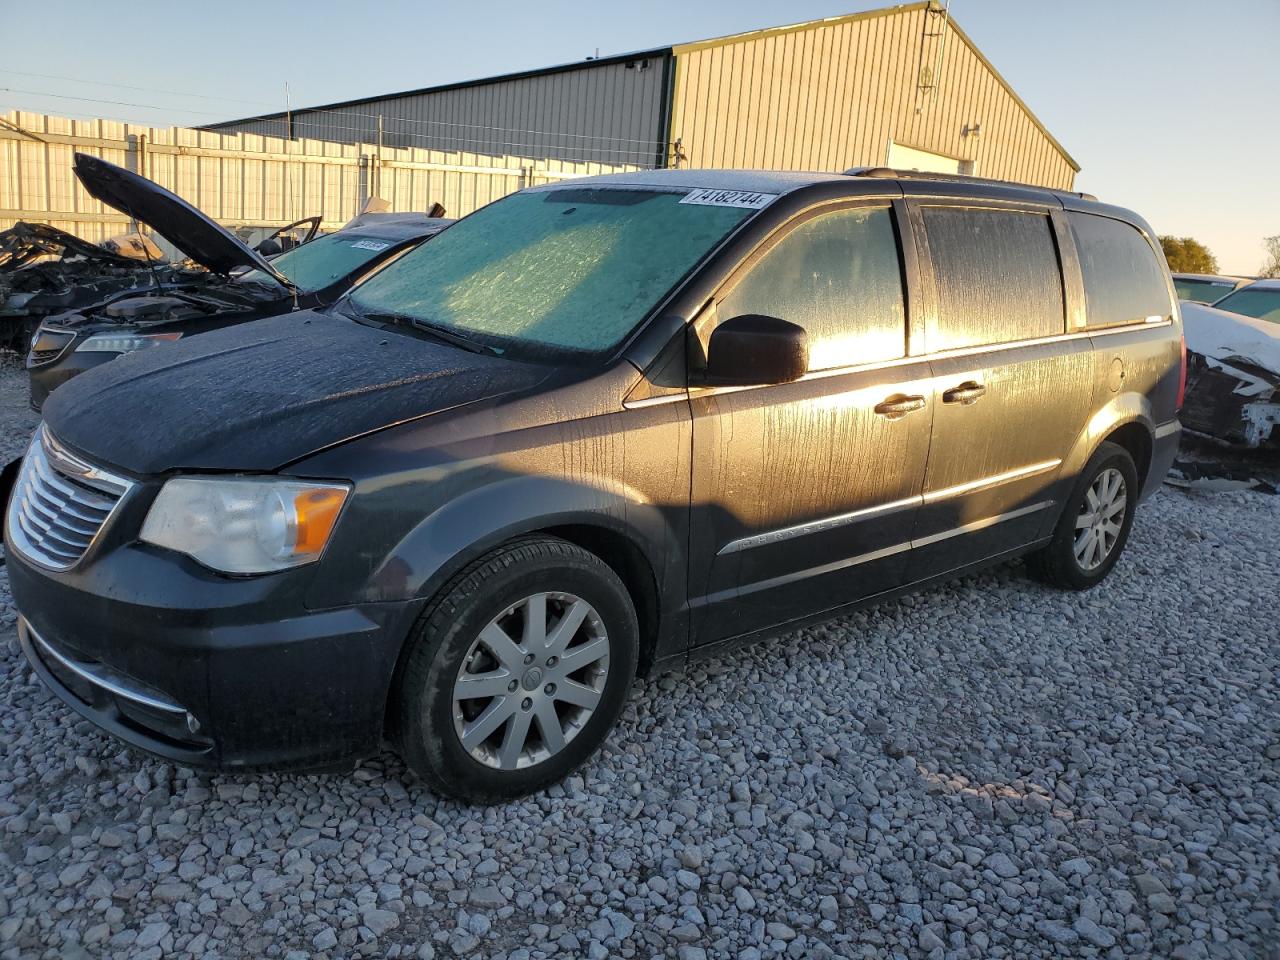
pixel 988 769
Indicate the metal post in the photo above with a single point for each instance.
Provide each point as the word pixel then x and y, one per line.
pixel 378 176
pixel 131 153
pixel 362 182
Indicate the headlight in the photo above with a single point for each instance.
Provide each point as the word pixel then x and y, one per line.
pixel 123 342
pixel 238 525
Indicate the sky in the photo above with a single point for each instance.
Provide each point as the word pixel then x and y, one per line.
pixel 1170 106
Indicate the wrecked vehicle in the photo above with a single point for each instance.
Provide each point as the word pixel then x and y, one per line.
pixel 1233 372
pixel 45 271
pixel 238 284
pixel 286 238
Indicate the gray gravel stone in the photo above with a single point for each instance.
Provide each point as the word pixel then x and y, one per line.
pixel 1095 934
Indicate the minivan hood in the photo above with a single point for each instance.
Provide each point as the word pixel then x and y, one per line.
pixel 204 241
pixel 258 396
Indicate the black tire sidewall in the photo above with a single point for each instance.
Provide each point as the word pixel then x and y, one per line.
pixel 427 735
pixel 1109 456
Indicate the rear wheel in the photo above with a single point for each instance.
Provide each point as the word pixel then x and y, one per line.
pixel 517 672
pixel 1094 527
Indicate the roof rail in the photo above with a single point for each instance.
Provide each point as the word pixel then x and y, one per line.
pixel 888 173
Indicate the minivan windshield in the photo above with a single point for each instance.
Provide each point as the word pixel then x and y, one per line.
pixel 552 272
pixel 325 260
pixel 1260 302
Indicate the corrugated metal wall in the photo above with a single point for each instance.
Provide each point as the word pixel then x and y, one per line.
pixel 246 180
pixel 606 112
pixel 830 95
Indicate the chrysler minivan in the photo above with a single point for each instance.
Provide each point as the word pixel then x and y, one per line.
pixel 592 430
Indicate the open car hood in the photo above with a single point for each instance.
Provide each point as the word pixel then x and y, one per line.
pixel 204 241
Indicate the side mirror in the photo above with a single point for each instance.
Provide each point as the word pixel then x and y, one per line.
pixel 754 350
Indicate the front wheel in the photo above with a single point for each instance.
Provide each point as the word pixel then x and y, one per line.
pixel 518 671
pixel 1094 527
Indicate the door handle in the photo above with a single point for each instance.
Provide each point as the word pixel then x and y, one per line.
pixel 967 393
pixel 898 406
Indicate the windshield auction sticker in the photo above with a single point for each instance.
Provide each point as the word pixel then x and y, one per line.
pixel 373 245
pixel 730 198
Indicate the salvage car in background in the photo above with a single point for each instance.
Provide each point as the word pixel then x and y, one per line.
pixel 1233 369
pixel 44 271
pixel 1204 287
pixel 238 285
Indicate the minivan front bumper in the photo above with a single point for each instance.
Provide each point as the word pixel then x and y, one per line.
pixel 209 687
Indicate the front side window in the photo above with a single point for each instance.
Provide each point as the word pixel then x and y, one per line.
pixel 326 260
pixel 837 275
pixel 1123 280
pixel 1263 303
pixel 997 277
pixel 552 272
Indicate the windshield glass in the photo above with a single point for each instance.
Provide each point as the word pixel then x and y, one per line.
pixel 571 269
pixel 1201 291
pixel 1257 302
pixel 324 260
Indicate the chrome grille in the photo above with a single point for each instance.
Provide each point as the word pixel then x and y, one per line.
pixel 60 503
pixel 49 344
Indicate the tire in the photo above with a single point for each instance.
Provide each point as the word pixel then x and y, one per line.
pixel 461 641
pixel 1065 562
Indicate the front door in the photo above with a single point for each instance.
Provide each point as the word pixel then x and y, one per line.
pixel 1011 394
pixel 805 493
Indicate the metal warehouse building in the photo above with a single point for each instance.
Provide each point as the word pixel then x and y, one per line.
pixel 902 87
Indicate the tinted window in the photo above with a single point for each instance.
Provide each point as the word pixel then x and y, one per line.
pixel 325 260
pixel 1200 291
pixel 839 277
pixel 997 275
pixel 1123 280
pixel 1260 302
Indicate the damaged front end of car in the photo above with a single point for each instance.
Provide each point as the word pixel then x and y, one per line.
pixel 45 271
pixel 1233 378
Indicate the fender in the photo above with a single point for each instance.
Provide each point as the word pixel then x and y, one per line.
pixel 1118 411
pixel 470 525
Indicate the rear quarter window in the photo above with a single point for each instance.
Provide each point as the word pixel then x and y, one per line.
pixel 1124 281
pixel 997 276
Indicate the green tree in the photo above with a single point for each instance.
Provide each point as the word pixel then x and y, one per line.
pixel 1271 268
pixel 1188 255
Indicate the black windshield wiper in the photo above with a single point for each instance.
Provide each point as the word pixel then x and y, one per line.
pixel 432 330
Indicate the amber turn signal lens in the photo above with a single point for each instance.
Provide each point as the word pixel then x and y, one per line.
pixel 315 512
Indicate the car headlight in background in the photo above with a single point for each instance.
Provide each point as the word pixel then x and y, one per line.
pixel 239 525
pixel 123 342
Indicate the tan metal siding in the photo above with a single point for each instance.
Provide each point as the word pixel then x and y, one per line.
pixel 831 94
pixel 604 113
pixel 246 180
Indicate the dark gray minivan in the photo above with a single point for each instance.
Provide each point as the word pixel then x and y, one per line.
pixel 594 428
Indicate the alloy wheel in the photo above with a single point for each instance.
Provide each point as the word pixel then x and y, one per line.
pixel 1101 519
pixel 530 681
